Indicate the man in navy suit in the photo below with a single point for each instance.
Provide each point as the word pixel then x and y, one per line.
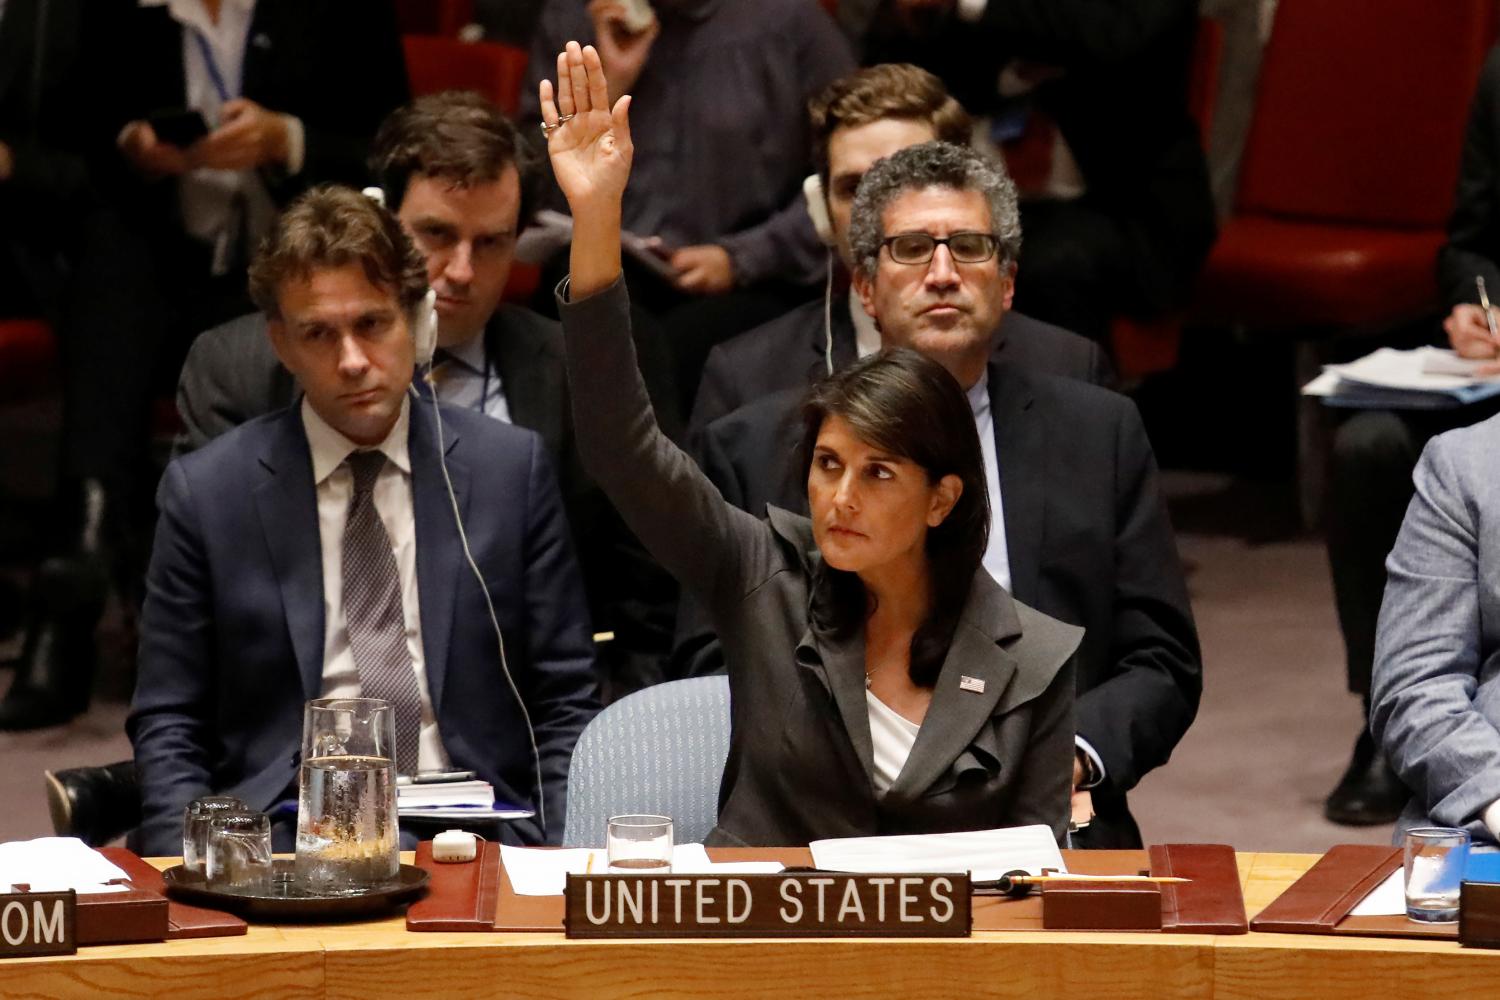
pixel 316 552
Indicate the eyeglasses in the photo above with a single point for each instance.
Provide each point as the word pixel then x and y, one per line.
pixel 918 248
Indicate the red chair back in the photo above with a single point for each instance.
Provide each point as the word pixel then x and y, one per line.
pixel 1360 110
pixel 28 357
pixel 496 71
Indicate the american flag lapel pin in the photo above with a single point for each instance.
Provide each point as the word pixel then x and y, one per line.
pixel 974 684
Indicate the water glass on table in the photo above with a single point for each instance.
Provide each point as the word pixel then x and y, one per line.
pixel 239 851
pixel 1434 858
pixel 195 818
pixel 348 840
pixel 639 845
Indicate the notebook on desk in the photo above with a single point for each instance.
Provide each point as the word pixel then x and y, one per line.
pixel 1322 900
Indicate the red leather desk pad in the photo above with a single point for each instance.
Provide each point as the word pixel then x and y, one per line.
pixel 1209 909
pixel 1319 902
pixel 183 920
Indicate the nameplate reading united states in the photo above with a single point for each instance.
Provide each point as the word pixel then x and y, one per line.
pixel 38 923
pixel 823 904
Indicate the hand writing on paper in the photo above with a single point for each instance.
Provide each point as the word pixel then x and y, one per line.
pixel 1469 335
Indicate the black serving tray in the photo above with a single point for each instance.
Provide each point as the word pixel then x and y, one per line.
pixel 285 902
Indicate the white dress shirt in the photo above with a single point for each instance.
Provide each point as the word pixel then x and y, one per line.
pixel 208 197
pixel 393 503
pixel 467 379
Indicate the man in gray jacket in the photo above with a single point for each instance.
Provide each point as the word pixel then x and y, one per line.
pixel 1435 700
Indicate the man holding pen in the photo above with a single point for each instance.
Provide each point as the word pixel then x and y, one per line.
pixel 1374 452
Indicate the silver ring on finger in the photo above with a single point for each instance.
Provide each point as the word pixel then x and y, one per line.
pixel 549 127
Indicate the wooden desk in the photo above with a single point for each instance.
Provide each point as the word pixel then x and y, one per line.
pixel 380 959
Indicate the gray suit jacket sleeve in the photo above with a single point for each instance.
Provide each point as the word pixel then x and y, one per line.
pixel 707 544
pixel 1438 635
pixel 231 375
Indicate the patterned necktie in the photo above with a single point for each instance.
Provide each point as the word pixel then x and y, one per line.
pixel 373 614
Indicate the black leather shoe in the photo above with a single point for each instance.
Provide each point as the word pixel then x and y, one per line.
pixel 1369 793
pixel 56 672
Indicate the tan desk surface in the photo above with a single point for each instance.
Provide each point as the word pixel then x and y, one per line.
pixel 381 959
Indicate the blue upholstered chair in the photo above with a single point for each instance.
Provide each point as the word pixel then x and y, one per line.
pixel 660 750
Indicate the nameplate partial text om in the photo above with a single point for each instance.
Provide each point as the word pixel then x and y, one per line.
pixel 38 923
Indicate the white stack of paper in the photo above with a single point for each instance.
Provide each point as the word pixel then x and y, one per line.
pixel 537 871
pixel 1428 378
pixel 985 854
pixel 54 864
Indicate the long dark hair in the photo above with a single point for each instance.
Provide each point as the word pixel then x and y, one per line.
pixel 909 405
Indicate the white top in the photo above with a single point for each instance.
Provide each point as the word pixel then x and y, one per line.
pixel 892 736
pixel 392 496
pixel 207 196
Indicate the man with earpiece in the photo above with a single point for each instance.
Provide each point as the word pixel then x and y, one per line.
pixel 364 541
pixel 1078 527
pixel 855 121
pixel 458 177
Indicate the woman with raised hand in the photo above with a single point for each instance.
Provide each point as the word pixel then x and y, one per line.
pixel 881 681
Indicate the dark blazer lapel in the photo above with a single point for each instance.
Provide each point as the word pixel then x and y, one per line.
pixel 1021 449
pixel 957 710
pixel 265 26
pixel 839 666
pixel 440 557
pixel 288 504
pixel 532 402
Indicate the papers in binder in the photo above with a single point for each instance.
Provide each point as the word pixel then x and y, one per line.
pixel 987 854
pixel 1427 378
pixel 54 864
pixel 1388 899
pixel 539 872
pixel 470 800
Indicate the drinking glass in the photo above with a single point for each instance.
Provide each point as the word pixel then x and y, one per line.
pixel 195 819
pixel 347 836
pixel 640 845
pixel 239 851
pixel 1435 859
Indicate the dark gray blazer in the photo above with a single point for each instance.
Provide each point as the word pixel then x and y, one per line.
pixel 1089 543
pixel 800 758
pixel 792 351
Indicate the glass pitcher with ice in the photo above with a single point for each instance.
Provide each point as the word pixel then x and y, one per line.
pixel 347 838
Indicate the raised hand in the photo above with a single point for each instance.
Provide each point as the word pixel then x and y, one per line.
pixel 588 143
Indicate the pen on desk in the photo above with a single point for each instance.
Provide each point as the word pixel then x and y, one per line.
pixel 588 869
pixel 1017 884
pixel 1043 879
pixel 1484 303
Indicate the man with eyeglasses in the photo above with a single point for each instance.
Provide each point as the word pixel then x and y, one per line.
pixel 1078 528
